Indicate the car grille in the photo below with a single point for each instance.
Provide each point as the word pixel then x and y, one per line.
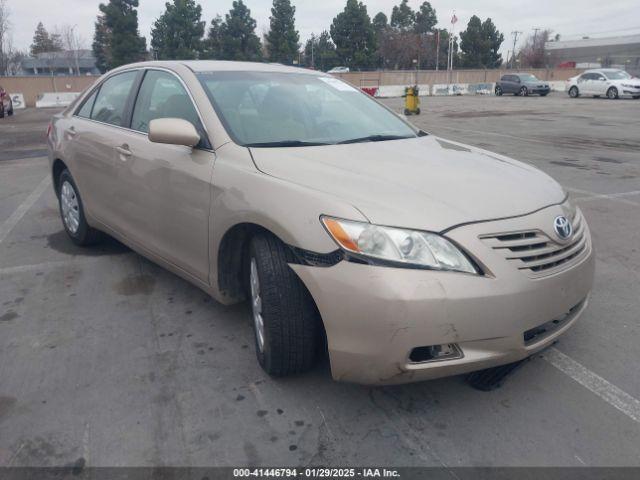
pixel 535 253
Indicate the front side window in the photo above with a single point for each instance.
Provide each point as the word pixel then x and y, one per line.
pixel 111 102
pixel 529 78
pixel 162 95
pixel 290 109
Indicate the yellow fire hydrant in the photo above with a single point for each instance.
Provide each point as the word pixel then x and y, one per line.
pixel 411 100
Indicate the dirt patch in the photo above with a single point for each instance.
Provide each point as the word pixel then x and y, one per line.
pixel 8 316
pixel 135 285
pixel 607 160
pixel 6 404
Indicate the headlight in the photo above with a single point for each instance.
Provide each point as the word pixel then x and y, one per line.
pixel 628 85
pixel 398 246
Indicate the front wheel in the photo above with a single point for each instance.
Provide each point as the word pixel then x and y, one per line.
pixel 285 320
pixel 573 92
pixel 612 93
pixel 544 94
pixel 636 97
pixel 72 212
pixel 524 92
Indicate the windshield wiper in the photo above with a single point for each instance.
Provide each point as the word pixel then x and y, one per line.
pixel 285 143
pixel 374 138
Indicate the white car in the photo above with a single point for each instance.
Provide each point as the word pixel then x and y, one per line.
pixel 611 82
pixel 339 70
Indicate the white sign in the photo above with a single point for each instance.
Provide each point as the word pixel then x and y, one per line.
pixel 17 99
pixel 53 99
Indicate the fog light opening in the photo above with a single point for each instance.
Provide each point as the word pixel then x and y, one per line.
pixel 435 353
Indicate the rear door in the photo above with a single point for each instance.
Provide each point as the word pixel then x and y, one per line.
pixel 164 191
pixel 585 86
pixel 92 135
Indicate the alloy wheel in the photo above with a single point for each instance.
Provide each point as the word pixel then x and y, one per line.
pixel 256 304
pixel 70 207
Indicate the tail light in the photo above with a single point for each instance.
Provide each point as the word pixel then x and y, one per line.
pixel 49 129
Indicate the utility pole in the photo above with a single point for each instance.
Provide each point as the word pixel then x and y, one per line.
pixel 437 48
pixel 515 34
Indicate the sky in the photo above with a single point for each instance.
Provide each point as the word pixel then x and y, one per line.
pixel 571 18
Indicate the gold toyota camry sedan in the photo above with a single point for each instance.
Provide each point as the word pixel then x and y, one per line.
pixel 410 256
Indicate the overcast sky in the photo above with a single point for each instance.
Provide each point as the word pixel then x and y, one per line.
pixel 571 18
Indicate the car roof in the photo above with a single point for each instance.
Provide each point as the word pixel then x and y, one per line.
pixel 597 70
pixel 201 66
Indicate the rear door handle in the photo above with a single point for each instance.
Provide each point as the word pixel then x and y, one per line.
pixel 124 151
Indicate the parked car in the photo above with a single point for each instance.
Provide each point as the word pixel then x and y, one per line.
pixel 6 105
pixel 411 256
pixel 612 82
pixel 521 84
pixel 339 70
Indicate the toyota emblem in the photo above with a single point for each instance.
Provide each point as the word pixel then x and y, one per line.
pixel 563 227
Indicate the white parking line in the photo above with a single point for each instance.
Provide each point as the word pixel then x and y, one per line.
pixel 611 394
pixel 23 208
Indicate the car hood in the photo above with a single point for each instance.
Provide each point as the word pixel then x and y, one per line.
pixel 425 183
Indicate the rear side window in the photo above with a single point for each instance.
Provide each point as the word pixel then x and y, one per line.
pixel 162 96
pixel 111 102
pixel 85 110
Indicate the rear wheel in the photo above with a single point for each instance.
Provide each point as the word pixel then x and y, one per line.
pixel 573 92
pixel 636 97
pixel 498 90
pixel 544 94
pixel 285 320
pixel 72 212
pixel 612 93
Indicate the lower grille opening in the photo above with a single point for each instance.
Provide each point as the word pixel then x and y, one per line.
pixel 433 353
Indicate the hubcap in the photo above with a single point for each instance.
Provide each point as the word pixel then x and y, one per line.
pixel 70 207
pixel 256 304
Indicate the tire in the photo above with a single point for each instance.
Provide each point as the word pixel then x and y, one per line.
pixel 636 97
pixel 498 91
pixel 1 111
pixel 573 92
pixel 407 112
pixel 418 111
pixel 544 94
pixel 288 341
pixel 612 93
pixel 523 92
pixel 75 224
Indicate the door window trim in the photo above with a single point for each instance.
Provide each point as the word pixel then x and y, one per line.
pixel 135 89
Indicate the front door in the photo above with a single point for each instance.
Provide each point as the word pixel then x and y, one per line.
pixel 164 191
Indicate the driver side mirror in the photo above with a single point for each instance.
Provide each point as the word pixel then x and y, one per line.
pixel 173 131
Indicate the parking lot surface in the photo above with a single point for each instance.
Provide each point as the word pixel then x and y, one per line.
pixel 108 359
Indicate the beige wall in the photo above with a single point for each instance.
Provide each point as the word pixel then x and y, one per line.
pixel 431 77
pixel 31 87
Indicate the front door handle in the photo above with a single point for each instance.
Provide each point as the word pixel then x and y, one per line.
pixel 124 150
pixel 71 131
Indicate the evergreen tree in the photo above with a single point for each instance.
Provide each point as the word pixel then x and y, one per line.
pixel 101 44
pixel 426 18
pixel 380 22
pixel 178 32
pixel 282 39
pixel 480 43
pixel 238 39
pixel 403 17
pixel 353 35
pixel 44 42
pixel 213 43
pixel 119 34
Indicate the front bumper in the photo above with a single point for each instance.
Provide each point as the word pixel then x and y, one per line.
pixel 375 316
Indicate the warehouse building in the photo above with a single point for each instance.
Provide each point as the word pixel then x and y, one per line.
pixel 616 52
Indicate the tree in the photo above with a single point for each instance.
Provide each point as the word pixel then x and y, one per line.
pixel 71 43
pixel 213 43
pixel 178 32
pixel 6 49
pixel 282 38
pixel 100 44
pixel 426 18
pixel 532 54
pixel 119 36
pixel 320 52
pixel 353 35
pixel 238 39
pixel 43 42
pixel 403 18
pixel 380 22
pixel 480 43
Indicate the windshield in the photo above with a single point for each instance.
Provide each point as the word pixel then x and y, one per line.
pixel 289 109
pixel 618 75
pixel 529 78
